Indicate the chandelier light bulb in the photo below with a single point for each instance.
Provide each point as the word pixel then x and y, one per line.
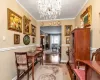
pixel 49 9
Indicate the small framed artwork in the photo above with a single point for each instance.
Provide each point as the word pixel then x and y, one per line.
pixel 16 39
pixel 67 40
pixel 33 40
pixel 14 21
pixel 68 30
pixel 26 39
pixel 26 25
pixel 87 17
pixel 33 30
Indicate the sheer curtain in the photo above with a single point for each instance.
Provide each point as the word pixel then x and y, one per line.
pixel 55 39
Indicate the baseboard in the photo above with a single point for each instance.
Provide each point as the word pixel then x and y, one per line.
pixel 15 78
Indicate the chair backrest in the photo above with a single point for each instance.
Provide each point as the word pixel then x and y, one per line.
pixel 39 48
pixel 96 55
pixel 21 58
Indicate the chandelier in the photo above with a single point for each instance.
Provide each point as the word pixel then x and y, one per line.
pixel 49 9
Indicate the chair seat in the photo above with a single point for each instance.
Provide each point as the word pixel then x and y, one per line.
pixel 82 67
pixel 24 67
pixel 80 74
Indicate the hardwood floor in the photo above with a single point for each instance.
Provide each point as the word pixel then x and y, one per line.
pixel 53 58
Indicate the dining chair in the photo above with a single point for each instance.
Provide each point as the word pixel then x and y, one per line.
pixel 22 65
pixel 40 57
pixel 80 74
pixel 96 55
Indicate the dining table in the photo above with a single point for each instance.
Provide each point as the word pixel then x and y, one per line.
pixel 33 56
pixel 92 69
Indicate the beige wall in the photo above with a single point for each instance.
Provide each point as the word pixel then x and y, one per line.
pixel 95 27
pixel 7 58
pixel 63 37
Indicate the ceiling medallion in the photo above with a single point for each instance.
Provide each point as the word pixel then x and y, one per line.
pixel 49 9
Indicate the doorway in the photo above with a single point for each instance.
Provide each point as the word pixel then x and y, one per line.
pixel 50 38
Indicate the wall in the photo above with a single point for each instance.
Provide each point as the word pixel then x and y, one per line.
pixel 95 26
pixel 63 37
pixel 7 47
pixel 7 58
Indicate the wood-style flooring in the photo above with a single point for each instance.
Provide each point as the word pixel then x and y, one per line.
pixel 53 57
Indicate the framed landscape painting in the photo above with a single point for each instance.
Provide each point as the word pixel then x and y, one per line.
pixel 68 30
pixel 14 21
pixel 26 25
pixel 33 30
pixel 16 39
pixel 87 17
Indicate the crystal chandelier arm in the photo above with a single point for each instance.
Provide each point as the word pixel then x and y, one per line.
pixel 49 9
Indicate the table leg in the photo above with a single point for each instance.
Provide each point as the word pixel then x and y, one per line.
pixel 32 68
pixel 42 59
pixel 86 71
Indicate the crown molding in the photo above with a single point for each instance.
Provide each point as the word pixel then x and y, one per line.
pixel 57 19
pixel 54 19
pixel 81 8
pixel 26 10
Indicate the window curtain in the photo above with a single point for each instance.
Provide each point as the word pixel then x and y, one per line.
pixel 55 39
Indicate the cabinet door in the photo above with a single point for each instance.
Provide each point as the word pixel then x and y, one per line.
pixel 82 44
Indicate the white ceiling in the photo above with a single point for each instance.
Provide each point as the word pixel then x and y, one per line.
pixel 51 29
pixel 70 8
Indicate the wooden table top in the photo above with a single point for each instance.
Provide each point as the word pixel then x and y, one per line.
pixel 34 53
pixel 95 65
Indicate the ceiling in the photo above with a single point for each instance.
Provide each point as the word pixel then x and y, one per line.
pixel 70 8
pixel 51 29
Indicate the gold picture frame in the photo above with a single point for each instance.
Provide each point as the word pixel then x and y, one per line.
pixel 68 29
pixel 16 39
pixel 67 40
pixel 33 30
pixel 14 21
pixel 26 25
pixel 87 17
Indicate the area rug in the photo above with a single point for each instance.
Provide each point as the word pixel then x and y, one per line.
pixel 51 72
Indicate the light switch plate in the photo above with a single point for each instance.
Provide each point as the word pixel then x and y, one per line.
pixel 4 38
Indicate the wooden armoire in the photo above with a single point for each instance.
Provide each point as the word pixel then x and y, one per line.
pixel 80 45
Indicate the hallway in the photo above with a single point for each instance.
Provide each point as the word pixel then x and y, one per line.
pixel 52 57
pixel 52 69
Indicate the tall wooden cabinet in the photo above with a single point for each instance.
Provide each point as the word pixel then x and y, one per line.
pixel 80 45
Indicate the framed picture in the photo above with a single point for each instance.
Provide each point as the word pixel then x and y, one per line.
pixel 26 39
pixel 68 30
pixel 26 25
pixel 87 17
pixel 67 40
pixel 33 40
pixel 14 21
pixel 16 39
pixel 33 30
